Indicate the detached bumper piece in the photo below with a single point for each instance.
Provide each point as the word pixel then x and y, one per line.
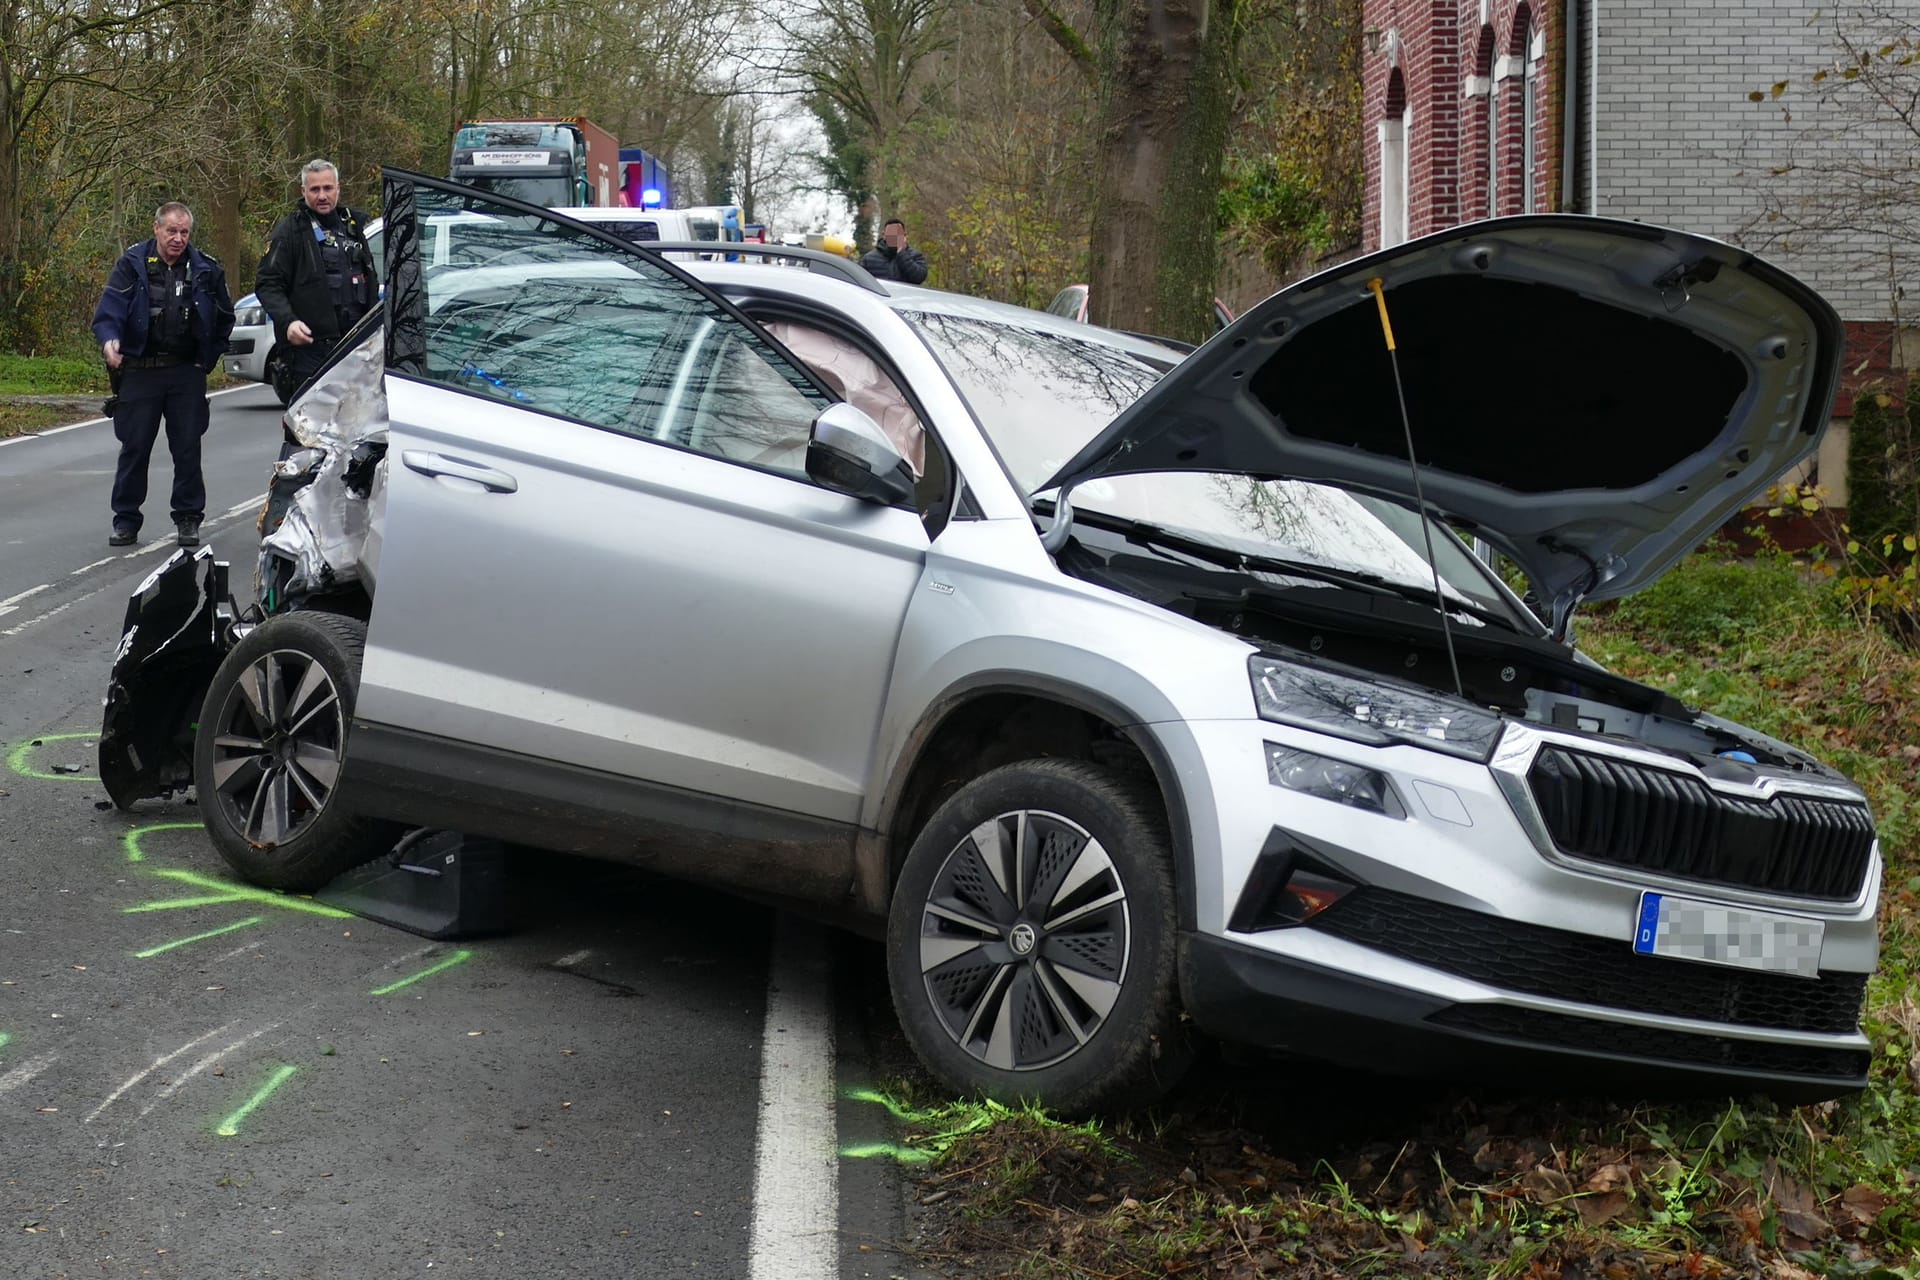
pixel 178 627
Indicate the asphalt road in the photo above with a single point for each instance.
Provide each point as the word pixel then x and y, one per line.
pixel 199 1079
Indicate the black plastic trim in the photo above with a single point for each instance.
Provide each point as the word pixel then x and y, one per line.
pixel 1241 994
pixel 431 781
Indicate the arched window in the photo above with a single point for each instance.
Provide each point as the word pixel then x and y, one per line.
pixel 1396 124
pixel 1529 110
pixel 1489 120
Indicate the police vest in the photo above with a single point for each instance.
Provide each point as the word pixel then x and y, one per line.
pixel 349 275
pixel 169 307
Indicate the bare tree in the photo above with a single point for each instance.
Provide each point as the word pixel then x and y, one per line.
pixel 1844 167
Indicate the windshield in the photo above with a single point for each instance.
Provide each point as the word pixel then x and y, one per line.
pixel 554 192
pixel 1041 396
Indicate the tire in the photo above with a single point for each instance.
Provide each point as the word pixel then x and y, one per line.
pixel 280 376
pixel 1081 1014
pixel 267 757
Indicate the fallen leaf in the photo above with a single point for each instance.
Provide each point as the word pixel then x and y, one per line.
pixel 1611 1177
pixel 1604 1207
pixel 1864 1204
pixel 1546 1185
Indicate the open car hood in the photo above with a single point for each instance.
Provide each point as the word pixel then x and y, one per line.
pixel 1594 397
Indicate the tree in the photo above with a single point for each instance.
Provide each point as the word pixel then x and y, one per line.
pixel 1295 172
pixel 1165 73
pixel 1849 168
pixel 861 67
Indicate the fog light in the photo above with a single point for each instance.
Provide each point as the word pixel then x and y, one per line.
pixel 1288 886
pixel 1330 779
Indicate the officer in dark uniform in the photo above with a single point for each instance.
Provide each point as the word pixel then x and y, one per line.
pixel 162 324
pixel 318 277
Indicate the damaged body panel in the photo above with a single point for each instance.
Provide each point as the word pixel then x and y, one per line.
pixel 179 625
pixel 320 540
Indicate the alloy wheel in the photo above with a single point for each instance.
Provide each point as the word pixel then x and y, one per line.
pixel 277 751
pixel 1024 940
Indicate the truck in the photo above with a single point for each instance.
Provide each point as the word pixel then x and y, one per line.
pixel 645 182
pixel 559 162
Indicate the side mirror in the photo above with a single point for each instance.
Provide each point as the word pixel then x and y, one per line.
pixel 850 454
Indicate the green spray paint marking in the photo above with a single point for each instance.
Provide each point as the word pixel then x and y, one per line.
pixel 17 758
pixel 905 1155
pixel 4 1037
pixel 227 891
pixel 452 960
pixel 198 937
pixel 231 1125
pixel 132 840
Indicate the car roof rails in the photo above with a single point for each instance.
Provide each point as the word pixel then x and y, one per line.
pixel 817 260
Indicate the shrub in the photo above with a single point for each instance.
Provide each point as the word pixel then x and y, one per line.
pixel 1712 599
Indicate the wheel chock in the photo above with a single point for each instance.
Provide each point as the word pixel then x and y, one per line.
pixel 438 884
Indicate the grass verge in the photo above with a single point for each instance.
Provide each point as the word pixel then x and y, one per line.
pixel 1296 1172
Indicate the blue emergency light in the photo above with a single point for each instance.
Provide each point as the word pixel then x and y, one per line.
pixel 650 198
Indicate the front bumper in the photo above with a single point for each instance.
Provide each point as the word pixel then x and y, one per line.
pixel 1274 1001
pixel 246 355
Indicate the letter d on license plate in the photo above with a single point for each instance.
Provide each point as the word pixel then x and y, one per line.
pixel 1684 929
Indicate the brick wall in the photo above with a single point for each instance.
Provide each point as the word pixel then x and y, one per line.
pixel 1455 61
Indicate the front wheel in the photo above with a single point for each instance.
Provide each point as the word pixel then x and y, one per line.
pixel 268 755
pixel 1030 942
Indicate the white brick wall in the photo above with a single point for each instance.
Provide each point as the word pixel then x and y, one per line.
pixel 1677 142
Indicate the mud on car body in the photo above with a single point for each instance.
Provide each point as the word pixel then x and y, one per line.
pixel 1131 697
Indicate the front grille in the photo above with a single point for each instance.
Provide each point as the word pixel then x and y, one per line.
pixel 1619 1040
pixel 1582 969
pixel 1657 820
pixel 240 346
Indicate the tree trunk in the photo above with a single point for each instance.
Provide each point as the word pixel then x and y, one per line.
pixel 1166 95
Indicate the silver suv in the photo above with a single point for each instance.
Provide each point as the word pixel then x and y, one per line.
pixel 1130 696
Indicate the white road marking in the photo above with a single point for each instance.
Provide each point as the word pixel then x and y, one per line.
pixel 10 605
pixel 94 422
pixel 796 1199
pixel 155 1066
pixel 57 609
pixel 25 1072
pixel 173 1086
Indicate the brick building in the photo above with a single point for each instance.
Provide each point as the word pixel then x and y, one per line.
pixel 1479 108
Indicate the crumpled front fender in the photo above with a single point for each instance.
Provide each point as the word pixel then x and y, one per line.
pixel 179 625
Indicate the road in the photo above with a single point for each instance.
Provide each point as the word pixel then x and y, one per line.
pixel 201 1079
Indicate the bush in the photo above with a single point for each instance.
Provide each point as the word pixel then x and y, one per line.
pixel 1883 481
pixel 1712 599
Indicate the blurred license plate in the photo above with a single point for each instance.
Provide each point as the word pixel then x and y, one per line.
pixel 1714 934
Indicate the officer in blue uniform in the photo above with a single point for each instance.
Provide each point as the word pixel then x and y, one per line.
pixel 162 324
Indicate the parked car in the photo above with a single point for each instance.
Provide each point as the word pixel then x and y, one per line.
pixel 1130 698
pixel 1071 302
pixel 250 348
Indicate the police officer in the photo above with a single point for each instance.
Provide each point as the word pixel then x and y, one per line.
pixel 162 324
pixel 318 276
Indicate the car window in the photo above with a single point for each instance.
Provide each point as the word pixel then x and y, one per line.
pixel 546 317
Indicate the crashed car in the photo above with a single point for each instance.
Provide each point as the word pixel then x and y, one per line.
pixel 1132 698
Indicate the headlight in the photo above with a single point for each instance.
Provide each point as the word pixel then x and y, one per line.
pixel 1330 779
pixel 249 316
pixel 1369 711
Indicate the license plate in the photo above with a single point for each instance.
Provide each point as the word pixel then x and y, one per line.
pixel 1685 929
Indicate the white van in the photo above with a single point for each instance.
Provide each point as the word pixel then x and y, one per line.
pixel 639 225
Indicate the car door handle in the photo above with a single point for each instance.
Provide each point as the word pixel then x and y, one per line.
pixel 435 464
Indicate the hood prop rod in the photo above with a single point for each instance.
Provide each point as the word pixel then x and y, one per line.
pixel 1378 288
